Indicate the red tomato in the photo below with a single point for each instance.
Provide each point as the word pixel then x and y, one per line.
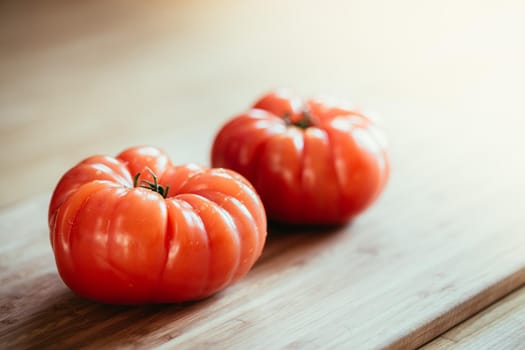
pixel 121 237
pixel 311 162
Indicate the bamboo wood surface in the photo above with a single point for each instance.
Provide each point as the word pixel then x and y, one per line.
pixel 500 326
pixel 444 241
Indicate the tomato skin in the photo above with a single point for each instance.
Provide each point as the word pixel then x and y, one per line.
pixel 311 162
pixel 121 244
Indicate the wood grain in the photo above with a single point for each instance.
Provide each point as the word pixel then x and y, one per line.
pixel 443 242
pixel 500 326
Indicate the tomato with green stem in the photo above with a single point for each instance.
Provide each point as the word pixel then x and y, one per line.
pixel 136 229
pixel 311 162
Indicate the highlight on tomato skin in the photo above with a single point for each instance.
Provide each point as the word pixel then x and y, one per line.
pixel 311 161
pixel 136 229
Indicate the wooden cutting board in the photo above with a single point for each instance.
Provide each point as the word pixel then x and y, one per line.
pixel 445 240
pixel 386 280
pixel 432 252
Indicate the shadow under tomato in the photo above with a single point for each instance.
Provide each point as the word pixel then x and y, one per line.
pixel 300 240
pixel 43 313
pixel 47 315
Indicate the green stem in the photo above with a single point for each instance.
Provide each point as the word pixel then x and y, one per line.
pixel 153 186
pixel 303 123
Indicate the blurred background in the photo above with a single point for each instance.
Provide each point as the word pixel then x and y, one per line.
pixel 79 78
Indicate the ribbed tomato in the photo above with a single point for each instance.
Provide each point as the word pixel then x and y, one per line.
pixel 137 229
pixel 311 162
